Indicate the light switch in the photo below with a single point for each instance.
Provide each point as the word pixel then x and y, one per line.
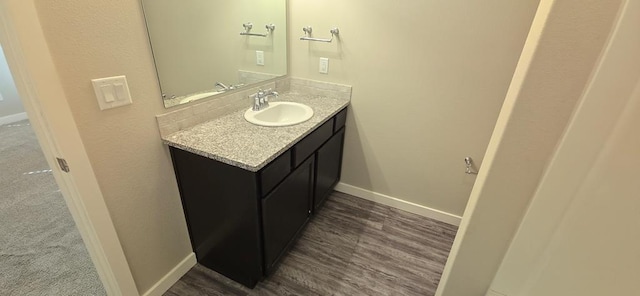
pixel 112 92
pixel 324 65
pixel 107 92
pixel 259 57
pixel 121 90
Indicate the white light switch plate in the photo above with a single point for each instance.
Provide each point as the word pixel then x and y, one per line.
pixel 324 65
pixel 259 57
pixel 112 92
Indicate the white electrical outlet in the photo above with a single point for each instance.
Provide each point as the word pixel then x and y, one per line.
pixel 324 65
pixel 1 98
pixel 259 57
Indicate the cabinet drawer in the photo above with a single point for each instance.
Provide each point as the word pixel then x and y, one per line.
pixel 312 142
pixel 341 119
pixel 275 172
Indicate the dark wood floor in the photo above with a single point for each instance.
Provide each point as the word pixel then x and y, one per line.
pixel 351 247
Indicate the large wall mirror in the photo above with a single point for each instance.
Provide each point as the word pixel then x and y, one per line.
pixel 204 48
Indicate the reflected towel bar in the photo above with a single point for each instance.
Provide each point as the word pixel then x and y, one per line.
pixel 307 35
pixel 248 26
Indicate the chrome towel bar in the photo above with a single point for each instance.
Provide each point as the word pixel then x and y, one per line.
pixel 248 26
pixel 307 35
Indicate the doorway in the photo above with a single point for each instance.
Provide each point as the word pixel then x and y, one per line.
pixel 41 250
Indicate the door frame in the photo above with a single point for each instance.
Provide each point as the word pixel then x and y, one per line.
pixel 45 103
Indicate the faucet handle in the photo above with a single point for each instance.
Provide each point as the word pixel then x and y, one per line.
pixel 258 94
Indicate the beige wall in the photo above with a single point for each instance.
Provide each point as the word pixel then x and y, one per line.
pixel 92 39
pixel 563 47
pixel 10 103
pixel 581 207
pixel 209 32
pixel 428 80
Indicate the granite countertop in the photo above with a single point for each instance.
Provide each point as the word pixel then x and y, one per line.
pixel 233 140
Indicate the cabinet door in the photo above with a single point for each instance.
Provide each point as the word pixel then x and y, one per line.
pixel 328 163
pixel 285 211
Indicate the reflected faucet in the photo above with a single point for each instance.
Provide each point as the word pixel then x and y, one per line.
pixel 221 86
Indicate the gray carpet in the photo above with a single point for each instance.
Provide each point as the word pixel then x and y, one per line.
pixel 41 251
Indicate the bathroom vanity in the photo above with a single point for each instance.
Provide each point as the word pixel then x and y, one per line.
pixel 248 191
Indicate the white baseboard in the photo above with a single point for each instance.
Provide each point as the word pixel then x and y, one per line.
pixel 399 204
pixel 172 277
pixel 13 118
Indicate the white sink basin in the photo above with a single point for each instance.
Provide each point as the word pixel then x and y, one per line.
pixel 280 114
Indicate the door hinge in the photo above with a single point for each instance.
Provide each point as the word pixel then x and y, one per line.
pixel 63 164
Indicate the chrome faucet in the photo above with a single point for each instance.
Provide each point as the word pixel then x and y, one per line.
pixel 261 98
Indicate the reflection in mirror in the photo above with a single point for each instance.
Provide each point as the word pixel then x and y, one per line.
pixel 203 48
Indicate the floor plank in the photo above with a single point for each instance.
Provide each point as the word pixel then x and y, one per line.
pixel 351 247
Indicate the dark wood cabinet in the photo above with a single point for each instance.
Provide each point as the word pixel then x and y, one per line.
pixel 328 164
pixel 307 146
pixel 221 207
pixel 285 211
pixel 242 222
